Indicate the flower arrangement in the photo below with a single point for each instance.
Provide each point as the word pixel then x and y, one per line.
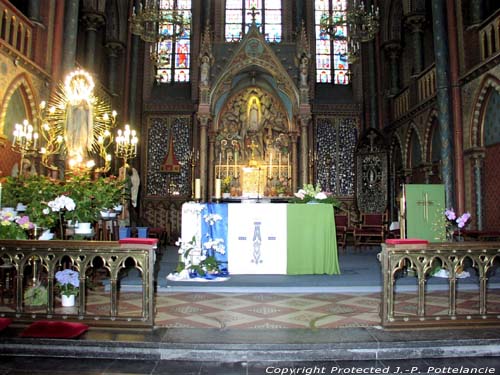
pixel 226 184
pixel 311 193
pixel 68 282
pixel 454 223
pixel 14 227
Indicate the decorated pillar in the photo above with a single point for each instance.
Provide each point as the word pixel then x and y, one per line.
pixel 212 161
pixel 294 176
pixel 477 159
pixel 304 149
pixel 415 22
pixel 393 53
pixel 204 177
pixel 92 21
pixel 70 35
pixel 114 49
pixel 443 96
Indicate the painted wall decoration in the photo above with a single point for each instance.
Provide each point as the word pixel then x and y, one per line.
pixel 336 139
pixel 164 132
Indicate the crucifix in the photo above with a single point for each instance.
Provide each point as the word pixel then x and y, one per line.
pixel 253 13
pixel 426 203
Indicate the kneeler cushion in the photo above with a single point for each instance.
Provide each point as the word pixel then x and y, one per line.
pixel 4 323
pixel 54 329
pixel 406 241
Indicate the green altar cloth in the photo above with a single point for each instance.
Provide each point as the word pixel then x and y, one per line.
pixel 312 240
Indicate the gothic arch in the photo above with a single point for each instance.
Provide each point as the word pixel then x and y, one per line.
pixel 407 144
pixel 428 132
pixel 391 24
pixel 254 63
pixel 489 83
pixel 21 81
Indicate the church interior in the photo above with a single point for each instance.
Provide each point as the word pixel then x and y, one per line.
pixel 253 101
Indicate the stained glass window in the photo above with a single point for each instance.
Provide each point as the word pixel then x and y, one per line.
pixel 332 64
pixel 175 50
pixel 239 14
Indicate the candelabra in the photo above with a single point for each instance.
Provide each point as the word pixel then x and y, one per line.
pixel 126 144
pixel 25 141
pixel 193 160
pixel 155 23
pixel 362 23
pixel 105 139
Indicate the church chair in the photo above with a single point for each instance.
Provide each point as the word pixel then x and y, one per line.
pixel 372 229
pixel 341 228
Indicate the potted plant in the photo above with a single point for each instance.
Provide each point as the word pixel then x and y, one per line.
pixel 36 295
pixel 226 186
pixel 68 283
pixel 14 227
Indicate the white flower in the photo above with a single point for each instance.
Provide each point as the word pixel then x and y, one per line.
pixel 46 211
pixel 321 195
pixel 217 245
pixel 300 194
pixel 211 219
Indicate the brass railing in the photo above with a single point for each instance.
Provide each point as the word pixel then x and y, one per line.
pixel 16 29
pixel 48 257
pixel 489 37
pixel 420 260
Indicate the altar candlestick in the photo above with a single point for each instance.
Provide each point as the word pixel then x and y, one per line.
pixel 0 195
pixel 271 164
pixel 197 189
pixel 227 165
pixel 217 188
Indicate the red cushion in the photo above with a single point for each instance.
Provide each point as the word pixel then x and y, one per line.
pixel 140 241
pixel 406 241
pixel 4 323
pixel 55 329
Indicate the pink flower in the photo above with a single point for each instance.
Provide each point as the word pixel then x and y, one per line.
pixel 450 214
pixel 300 194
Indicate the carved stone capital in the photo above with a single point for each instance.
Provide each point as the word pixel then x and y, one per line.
pixel 415 22
pixel 114 48
pixel 392 49
pixel 92 20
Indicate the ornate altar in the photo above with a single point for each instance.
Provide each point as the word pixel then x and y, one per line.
pixel 253 145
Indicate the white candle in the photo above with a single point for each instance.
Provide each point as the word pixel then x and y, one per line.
pixel 271 164
pixel 227 165
pixel 197 188
pixel 217 188
pixel 0 195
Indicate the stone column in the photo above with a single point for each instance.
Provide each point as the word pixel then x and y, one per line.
pixel 204 178
pixel 477 158
pixel 304 149
pixel 92 21
pixel 476 11
pixel 70 35
pixel 34 11
pixel 393 53
pixel 427 168
pixel 415 22
pixel 443 96
pixel 113 49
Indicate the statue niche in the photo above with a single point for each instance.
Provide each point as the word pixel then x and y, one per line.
pixel 252 130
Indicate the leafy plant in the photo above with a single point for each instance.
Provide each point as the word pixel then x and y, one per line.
pixel 68 282
pixel 35 295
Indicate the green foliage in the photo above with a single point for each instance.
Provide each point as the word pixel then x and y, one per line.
pixel 35 295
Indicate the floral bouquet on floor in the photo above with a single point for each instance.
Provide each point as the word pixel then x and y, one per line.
pixel 68 282
pixel 313 194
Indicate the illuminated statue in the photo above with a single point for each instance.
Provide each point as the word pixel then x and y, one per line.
pixel 79 134
pixel 253 116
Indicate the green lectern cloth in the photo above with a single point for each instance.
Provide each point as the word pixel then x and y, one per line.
pixel 312 242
